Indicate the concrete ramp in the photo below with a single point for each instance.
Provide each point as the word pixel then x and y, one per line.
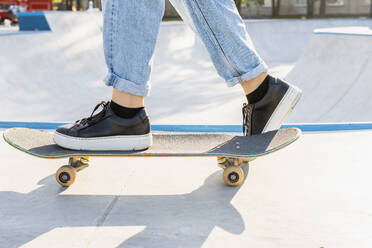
pixel 57 76
pixel 67 21
pixel 335 74
pixel 283 41
pixel 316 193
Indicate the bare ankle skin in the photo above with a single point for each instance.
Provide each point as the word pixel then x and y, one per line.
pixel 132 101
pixel 127 100
pixel 250 85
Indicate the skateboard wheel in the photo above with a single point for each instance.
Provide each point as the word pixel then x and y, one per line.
pixel 233 176
pixel 66 175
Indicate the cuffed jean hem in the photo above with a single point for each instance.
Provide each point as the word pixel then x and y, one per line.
pixel 262 67
pixel 126 85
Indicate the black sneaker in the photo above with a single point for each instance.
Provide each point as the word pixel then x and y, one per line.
pixel 270 112
pixel 106 131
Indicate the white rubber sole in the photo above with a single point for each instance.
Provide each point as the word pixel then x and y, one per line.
pixel 284 109
pixel 109 143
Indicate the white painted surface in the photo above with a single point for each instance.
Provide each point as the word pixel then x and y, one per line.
pixel 57 76
pixel 316 193
pixel 335 75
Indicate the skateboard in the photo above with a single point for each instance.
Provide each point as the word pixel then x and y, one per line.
pixel 231 151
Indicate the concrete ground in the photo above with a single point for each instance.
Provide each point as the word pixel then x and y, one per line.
pixel 316 193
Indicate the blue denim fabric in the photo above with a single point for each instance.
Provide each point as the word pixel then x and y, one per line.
pixel 130 31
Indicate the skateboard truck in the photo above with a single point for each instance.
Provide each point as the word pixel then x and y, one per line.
pixel 233 174
pixel 66 175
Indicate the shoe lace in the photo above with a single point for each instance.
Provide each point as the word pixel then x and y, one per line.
pixel 93 117
pixel 247 115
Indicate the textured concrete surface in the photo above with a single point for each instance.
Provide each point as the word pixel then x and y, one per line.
pixel 316 193
pixel 66 71
pixel 335 75
pixel 284 41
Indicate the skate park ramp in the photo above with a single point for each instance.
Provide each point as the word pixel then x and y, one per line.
pixel 335 74
pixel 284 41
pixel 54 72
pixel 312 194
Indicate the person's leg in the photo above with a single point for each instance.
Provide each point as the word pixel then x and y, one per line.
pixel 224 34
pixel 129 33
pixel 222 30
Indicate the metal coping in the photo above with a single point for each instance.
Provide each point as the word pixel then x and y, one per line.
pixel 345 31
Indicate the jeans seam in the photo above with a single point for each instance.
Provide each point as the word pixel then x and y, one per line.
pixel 213 37
pixel 111 35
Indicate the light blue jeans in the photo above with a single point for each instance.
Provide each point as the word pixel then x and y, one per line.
pixel 131 28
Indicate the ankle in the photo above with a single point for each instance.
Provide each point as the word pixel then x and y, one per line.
pixel 259 93
pixel 124 112
pixel 251 85
pixel 126 99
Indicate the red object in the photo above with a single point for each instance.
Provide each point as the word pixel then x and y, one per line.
pixel 37 5
pixel 32 5
pixel 4 5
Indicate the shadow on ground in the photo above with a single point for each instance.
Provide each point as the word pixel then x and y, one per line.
pixel 170 220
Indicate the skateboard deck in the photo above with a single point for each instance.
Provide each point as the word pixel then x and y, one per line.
pixel 231 150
